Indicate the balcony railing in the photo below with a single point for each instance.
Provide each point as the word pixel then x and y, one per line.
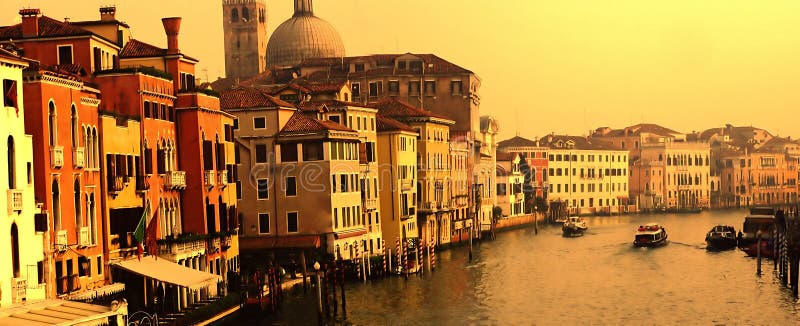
pixel 370 204
pixel 15 201
pixel 57 156
pixel 209 178
pixel 406 185
pixel 179 248
pixel 61 240
pixel 142 183
pixel 83 236
pixel 19 288
pixel 175 180
pixel 78 157
pixel 68 284
pixel 116 183
pixel 222 178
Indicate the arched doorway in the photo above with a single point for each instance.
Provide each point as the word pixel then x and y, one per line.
pixel 15 249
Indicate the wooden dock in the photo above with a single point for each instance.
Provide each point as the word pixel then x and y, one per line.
pixel 787 247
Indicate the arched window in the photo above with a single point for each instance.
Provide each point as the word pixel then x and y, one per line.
pixel 56 206
pixel 77 189
pixel 95 148
pixel 245 14
pixel 12 166
pixel 15 249
pixel 234 15
pixel 90 217
pixel 52 124
pixel 74 131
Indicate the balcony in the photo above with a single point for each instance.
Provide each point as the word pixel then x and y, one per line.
pixel 443 205
pixel 222 178
pixel 406 185
pixel 369 205
pixel 174 180
pixel 15 201
pixel 188 248
pixel 19 288
pixel 78 157
pixel 61 240
pixel 83 236
pixel 209 178
pixel 68 284
pixel 142 183
pixel 409 213
pixel 427 207
pixel 57 156
pixel 116 183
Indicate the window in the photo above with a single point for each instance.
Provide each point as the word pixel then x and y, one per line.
pixel 415 65
pixel 236 123
pixel 291 186
pixel 99 265
pixel 291 222
pixel 356 90
pixel 53 124
pixel 413 88
pixel 375 89
pixel 312 151
pixel 245 14
pixel 289 153
pixel 263 223
pixel 234 15
pixel 359 67
pixel 263 189
pixel 261 153
pixel 455 87
pixel 259 123
pixel 10 93
pixel 430 87
pixel 65 54
pixel 394 87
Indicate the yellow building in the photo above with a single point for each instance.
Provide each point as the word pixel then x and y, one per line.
pixel 23 228
pixel 591 177
pixel 672 175
pixel 434 181
pixel 462 217
pixel 397 170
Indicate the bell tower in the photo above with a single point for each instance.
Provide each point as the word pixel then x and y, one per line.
pixel 245 26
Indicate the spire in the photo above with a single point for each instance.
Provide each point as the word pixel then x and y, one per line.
pixel 303 8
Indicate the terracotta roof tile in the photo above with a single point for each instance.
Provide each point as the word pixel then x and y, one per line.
pixel 302 123
pixel 247 97
pixel 138 49
pixel 433 64
pixel 384 123
pixel 517 141
pixel 579 143
pixel 48 27
pixel 394 108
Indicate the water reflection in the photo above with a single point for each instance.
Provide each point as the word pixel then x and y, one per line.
pixel 600 278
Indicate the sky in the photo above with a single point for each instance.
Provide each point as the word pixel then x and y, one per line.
pixel 564 66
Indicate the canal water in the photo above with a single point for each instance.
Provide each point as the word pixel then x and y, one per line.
pixel 524 279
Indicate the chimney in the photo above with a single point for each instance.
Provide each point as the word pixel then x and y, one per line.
pixel 108 13
pixel 172 27
pixel 30 22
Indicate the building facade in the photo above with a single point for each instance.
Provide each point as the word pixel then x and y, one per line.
pixel 22 275
pixel 510 197
pixel 397 184
pixel 535 156
pixel 590 177
pixel 672 175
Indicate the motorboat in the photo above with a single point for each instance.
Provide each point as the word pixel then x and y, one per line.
pixel 721 237
pixel 650 235
pixel 574 226
pixel 759 224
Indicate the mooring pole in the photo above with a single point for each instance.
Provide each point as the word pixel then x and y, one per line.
pixel 758 252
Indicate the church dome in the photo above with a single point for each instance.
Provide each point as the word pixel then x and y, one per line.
pixel 301 37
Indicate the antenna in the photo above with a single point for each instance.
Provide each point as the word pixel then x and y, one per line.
pixel 516 111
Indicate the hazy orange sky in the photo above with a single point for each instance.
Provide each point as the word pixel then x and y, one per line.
pixel 547 66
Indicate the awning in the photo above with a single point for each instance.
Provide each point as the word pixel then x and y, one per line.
pixel 345 235
pixel 56 312
pixel 169 272
pixel 98 292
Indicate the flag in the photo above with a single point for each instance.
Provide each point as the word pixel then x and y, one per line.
pixel 139 233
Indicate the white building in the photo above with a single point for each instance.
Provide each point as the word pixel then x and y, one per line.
pixel 21 252
pixel 510 196
pixel 590 176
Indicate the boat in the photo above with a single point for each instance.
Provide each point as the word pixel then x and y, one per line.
pixel 574 226
pixel 650 235
pixel 758 224
pixel 721 237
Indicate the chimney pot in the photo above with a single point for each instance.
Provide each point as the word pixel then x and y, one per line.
pixel 108 13
pixel 172 27
pixel 30 22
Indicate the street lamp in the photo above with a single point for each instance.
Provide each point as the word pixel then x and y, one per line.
pixel 319 292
